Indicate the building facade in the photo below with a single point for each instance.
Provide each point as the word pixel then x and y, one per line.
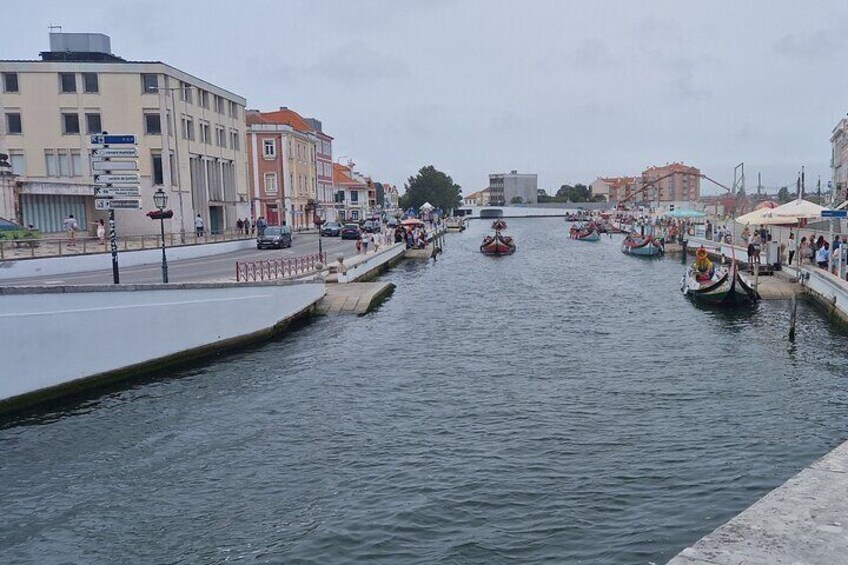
pixel 351 193
pixel 323 169
pixel 674 182
pixel 508 188
pixel 614 189
pixel 839 160
pixel 189 134
pixel 282 156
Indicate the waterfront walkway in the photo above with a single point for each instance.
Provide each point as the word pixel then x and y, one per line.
pixel 804 521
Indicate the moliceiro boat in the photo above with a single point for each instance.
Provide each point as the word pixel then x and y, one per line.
pixel 588 233
pixel 646 246
pixel 723 286
pixel 498 244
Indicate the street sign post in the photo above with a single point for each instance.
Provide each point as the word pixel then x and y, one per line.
pixel 101 165
pixel 117 204
pixel 111 191
pixel 106 139
pixel 126 179
pixel 125 152
pixel 834 213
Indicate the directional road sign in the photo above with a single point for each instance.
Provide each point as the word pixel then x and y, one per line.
pixel 115 152
pixel 834 213
pixel 99 139
pixel 125 178
pixel 124 191
pixel 117 204
pixel 99 165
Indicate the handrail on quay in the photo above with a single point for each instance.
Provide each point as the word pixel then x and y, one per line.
pixel 279 268
pixel 28 248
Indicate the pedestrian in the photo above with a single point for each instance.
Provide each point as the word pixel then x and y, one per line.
pixel 822 256
pixel 365 237
pixel 70 225
pixel 100 230
pixel 261 224
pixel 198 225
pixel 240 226
pixel 247 227
pixel 791 246
pixel 358 246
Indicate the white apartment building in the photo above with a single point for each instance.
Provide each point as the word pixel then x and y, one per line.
pixel 190 135
pixel 839 160
pixel 504 188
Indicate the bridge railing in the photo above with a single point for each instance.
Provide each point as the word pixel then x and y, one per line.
pixel 281 268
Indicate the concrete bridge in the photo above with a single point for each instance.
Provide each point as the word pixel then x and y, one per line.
pixel 483 212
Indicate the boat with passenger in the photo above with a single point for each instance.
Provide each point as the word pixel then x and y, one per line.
pixel 588 232
pixel 719 286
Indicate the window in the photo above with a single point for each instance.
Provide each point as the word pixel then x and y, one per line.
pixel 188 128
pixel 234 140
pixel 205 133
pixel 270 183
pixel 152 124
pixel 354 214
pixel 67 82
pixel 92 123
pixel 50 163
pixel 175 176
pixel 70 123
pixel 269 149
pixel 185 93
pixel 13 123
pixel 76 164
pixel 354 196
pixel 219 104
pixel 10 82
pixel 149 82
pixel 16 158
pixel 204 98
pixel 221 136
pixel 158 174
pixel 90 82
pixel 64 168
pixel 234 110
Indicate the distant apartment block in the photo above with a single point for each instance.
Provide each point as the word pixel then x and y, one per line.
pixel 614 189
pixel 190 134
pixel 839 160
pixel 506 188
pixel 674 182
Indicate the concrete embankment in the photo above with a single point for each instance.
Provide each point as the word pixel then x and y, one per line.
pixel 802 521
pixel 58 339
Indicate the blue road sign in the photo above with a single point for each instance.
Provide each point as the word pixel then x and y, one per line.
pixel 99 139
pixel 834 213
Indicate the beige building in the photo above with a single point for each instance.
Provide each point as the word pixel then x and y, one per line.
pixel 190 135
pixel 839 160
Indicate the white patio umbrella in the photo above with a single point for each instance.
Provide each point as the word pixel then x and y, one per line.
pixel 799 209
pixel 759 218
pixel 426 206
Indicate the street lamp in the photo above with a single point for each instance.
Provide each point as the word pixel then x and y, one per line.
pixel 318 221
pixel 176 133
pixel 160 200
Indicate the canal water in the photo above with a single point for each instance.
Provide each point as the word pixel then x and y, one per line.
pixel 565 405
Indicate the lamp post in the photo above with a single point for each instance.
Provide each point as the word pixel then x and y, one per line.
pixel 318 221
pixel 176 133
pixel 160 200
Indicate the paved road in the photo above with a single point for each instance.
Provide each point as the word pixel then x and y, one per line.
pixel 194 270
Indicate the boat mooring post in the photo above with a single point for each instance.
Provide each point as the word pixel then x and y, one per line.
pixel 793 316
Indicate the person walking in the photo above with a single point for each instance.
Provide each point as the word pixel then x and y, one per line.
pixel 247 226
pixel 260 226
pixel 822 256
pixel 791 246
pixel 198 225
pixel 365 237
pixel 240 226
pixel 70 225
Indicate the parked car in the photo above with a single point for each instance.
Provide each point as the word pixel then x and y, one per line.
pixel 333 229
pixel 372 226
pixel 275 236
pixel 351 231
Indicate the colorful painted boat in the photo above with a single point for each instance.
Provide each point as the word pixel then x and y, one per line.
pixel 498 244
pixel 583 234
pixel 646 246
pixel 721 287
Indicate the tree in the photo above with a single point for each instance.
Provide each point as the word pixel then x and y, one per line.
pixel 564 191
pixel 433 186
pixel 516 200
pixel 783 195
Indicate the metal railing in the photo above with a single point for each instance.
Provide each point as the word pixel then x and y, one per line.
pixel 286 267
pixel 26 248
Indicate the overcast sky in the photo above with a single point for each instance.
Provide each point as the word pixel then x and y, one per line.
pixel 567 89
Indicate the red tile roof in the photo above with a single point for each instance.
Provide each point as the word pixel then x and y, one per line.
pixel 283 116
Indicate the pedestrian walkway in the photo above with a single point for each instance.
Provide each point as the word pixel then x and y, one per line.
pixel 802 521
